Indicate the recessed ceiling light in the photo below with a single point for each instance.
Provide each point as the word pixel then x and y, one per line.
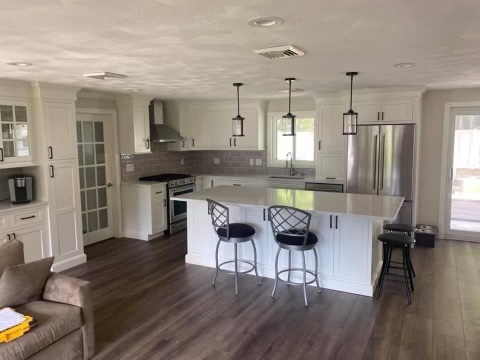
pixel 293 90
pixel 404 65
pixel 105 75
pixel 134 90
pixel 19 63
pixel 267 21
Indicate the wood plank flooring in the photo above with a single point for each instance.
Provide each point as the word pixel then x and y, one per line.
pixel 149 304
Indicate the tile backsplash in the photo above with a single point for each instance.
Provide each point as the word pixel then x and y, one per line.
pixel 200 162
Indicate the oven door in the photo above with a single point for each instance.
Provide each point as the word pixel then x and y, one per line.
pixel 178 209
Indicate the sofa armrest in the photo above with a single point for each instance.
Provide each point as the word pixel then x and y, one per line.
pixel 67 290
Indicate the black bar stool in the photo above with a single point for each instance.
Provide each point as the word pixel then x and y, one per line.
pixel 290 228
pixel 407 230
pixel 390 241
pixel 234 233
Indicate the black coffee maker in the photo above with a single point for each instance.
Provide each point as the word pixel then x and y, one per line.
pixel 20 187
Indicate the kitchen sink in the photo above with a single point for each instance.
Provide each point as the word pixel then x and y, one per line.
pixel 287 177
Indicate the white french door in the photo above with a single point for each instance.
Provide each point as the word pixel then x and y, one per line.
pixel 462 206
pixel 95 160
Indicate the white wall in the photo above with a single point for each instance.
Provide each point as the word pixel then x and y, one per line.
pixel 431 148
pixel 298 104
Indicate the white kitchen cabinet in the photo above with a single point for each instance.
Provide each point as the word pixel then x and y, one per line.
pixel 219 130
pixel 330 129
pixel 60 130
pixel 251 130
pixel 199 124
pixel 330 166
pixel 133 124
pixel 385 110
pixel 145 213
pixel 16 137
pixel 65 213
pixel 35 242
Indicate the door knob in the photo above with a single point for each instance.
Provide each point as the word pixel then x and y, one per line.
pixel 109 185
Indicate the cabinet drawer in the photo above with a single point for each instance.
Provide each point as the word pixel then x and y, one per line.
pixel 158 192
pixel 3 222
pixel 28 217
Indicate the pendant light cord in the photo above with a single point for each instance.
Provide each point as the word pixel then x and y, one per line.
pixel 238 100
pixel 289 94
pixel 351 90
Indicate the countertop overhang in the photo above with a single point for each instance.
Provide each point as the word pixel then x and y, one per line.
pixel 378 207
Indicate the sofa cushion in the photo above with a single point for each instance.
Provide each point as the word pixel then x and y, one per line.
pixel 54 322
pixel 11 254
pixel 23 283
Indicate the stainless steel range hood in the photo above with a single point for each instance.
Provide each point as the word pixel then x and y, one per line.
pixel 159 132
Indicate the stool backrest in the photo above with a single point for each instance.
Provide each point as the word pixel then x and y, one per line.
pixel 220 216
pixel 289 221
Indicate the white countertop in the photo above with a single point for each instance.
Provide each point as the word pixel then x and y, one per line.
pixel 7 207
pixel 297 179
pixel 373 206
pixel 142 183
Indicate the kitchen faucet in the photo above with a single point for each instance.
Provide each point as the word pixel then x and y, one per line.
pixel 292 170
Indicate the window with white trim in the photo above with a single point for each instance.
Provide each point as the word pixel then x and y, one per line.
pixel 302 145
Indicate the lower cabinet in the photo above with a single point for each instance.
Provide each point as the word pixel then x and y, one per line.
pixel 330 166
pixel 144 210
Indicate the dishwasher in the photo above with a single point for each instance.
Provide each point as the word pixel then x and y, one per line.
pixel 327 187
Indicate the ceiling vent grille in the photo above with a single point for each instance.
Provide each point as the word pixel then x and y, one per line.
pixel 280 52
pixel 105 75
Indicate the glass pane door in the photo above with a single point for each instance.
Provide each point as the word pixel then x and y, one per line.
pixel 15 135
pixel 464 210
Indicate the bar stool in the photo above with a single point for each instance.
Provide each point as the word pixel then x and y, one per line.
pixel 234 233
pixel 290 228
pixel 391 240
pixel 407 230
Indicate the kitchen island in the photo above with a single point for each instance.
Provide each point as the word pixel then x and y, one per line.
pixel 347 225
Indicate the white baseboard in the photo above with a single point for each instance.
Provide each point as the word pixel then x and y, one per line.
pixel 69 263
pixel 269 272
pixel 140 236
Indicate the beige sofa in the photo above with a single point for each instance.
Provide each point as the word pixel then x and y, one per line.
pixel 65 322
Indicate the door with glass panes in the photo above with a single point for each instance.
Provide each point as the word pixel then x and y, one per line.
pixel 15 142
pixel 95 159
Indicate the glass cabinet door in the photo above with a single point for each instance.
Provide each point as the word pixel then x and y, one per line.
pixel 15 135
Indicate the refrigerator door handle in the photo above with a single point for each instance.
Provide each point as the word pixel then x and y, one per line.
pixel 382 162
pixel 375 162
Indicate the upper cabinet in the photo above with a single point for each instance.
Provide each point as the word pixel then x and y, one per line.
pixel 388 110
pixel 208 125
pixel 133 125
pixel 330 129
pixel 60 130
pixel 16 137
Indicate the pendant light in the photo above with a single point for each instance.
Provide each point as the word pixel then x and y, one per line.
pixel 237 121
pixel 350 118
pixel 288 120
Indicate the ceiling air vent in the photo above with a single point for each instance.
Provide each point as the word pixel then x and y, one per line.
pixel 280 52
pixel 105 75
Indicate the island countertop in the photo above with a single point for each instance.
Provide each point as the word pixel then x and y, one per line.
pixel 377 207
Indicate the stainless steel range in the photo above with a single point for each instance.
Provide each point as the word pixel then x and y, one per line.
pixel 177 184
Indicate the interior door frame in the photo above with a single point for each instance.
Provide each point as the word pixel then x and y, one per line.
pixel 445 189
pixel 116 168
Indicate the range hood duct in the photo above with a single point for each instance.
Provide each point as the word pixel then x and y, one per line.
pixel 159 132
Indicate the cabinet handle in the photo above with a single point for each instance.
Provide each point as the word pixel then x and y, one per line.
pixel 28 217
pixel 8 236
pixel 1 158
pixel 164 202
pixel 330 178
pixel 148 143
pixel 52 171
pixel 193 142
pixel 382 114
pixel 264 215
pixel 330 221
pixel 234 142
pixel 50 152
pixel 378 115
pixel 319 144
pixel 183 143
pixel 14 236
pixel 212 183
pixel 237 185
pixel 336 222
pixel 158 192
pixel 230 141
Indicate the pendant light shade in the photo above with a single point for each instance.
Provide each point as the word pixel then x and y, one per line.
pixel 288 120
pixel 237 121
pixel 350 118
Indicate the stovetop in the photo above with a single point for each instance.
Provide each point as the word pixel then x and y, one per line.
pixel 165 177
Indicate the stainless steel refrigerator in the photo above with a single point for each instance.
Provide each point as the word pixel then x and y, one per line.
pixel 381 161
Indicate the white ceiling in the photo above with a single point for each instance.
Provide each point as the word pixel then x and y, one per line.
pixel 198 48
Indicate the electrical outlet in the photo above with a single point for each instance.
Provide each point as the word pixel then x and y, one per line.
pixel 251 162
pixel 182 162
pixel 258 162
pixel 129 168
pixel 216 161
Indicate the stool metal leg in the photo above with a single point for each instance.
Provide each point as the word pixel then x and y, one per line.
pixel 289 263
pixel 304 279
pixel 385 265
pixel 255 262
pixel 409 269
pixel 410 263
pixel 236 269
pixel 216 262
pixel 316 270
pixel 276 272
pixel 407 288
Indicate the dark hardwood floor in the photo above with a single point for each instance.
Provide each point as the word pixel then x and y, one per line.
pixel 149 304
